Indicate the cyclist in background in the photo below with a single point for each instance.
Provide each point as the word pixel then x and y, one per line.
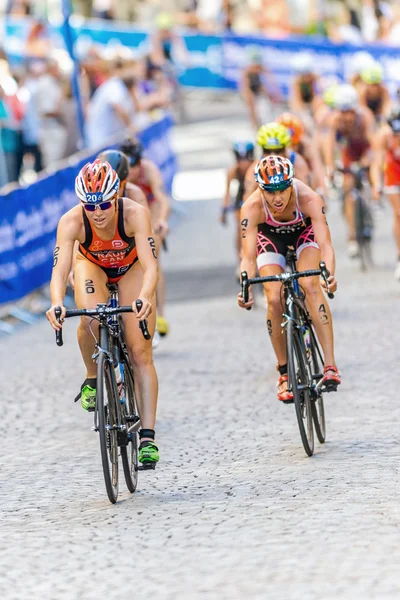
pixel 274 138
pixel 322 117
pixel 254 89
pixel 374 93
pixel 120 163
pixel 304 96
pixel 351 132
pixel 116 245
pixel 145 174
pixel 359 62
pixel 244 155
pixel 285 212
pixel 302 144
pixel 385 168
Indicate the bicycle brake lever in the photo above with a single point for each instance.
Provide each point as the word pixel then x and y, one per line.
pixel 59 338
pixel 245 288
pixel 325 274
pixel 143 324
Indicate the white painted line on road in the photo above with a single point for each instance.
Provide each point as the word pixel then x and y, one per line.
pixel 199 185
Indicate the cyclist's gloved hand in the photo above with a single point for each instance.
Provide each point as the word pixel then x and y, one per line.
pixel 332 283
pixel 249 303
pixel 51 316
pixel 145 311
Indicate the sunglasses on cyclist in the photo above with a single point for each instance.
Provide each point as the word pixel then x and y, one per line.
pixel 279 187
pixel 101 205
pixel 267 152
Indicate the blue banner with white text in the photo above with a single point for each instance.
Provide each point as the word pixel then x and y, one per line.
pixel 215 61
pixel 30 215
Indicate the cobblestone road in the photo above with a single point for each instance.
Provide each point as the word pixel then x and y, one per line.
pixel 235 509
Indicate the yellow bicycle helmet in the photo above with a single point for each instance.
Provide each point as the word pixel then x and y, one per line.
pixel 372 74
pixel 164 21
pixel 273 136
pixel 329 96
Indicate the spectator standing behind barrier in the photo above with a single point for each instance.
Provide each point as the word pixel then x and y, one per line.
pixel 8 141
pixel 111 109
pixel 50 98
pixel 31 121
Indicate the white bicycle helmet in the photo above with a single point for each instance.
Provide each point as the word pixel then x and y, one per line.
pixel 346 97
pixel 96 182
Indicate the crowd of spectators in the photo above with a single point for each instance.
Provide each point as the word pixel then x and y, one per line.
pixel 352 21
pixel 120 93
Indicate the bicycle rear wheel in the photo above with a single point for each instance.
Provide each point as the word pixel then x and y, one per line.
pixel 317 400
pixel 299 384
pixel 363 226
pixel 129 453
pixel 107 424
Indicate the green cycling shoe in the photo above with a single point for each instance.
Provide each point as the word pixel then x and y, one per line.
pixel 148 454
pixel 87 395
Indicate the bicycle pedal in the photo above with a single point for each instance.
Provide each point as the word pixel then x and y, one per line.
pixel 330 387
pixel 132 418
pixel 287 401
pixel 147 467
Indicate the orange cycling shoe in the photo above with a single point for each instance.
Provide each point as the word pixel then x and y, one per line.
pixel 283 394
pixel 331 378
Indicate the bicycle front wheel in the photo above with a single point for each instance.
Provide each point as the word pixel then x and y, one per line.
pixel 299 385
pixel 129 453
pixel 107 424
pixel 317 401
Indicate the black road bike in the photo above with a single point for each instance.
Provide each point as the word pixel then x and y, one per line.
pixel 304 356
pixel 116 416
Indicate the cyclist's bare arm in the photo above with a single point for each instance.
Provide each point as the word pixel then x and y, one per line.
pixel 295 101
pixel 311 205
pixel 378 162
pixel 370 125
pixel 244 86
pixel 155 179
pixel 317 168
pixel 272 89
pixel 250 217
pixel 68 231
pixel 137 223
pixel 387 102
pixel 331 142
pixel 133 192
pixel 301 169
pixel 250 184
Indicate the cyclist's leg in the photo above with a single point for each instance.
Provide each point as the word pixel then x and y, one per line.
pixel 140 350
pixel 271 260
pixel 393 193
pixel 89 289
pixel 161 288
pixel 238 235
pixel 308 258
pixel 274 312
pixel 348 188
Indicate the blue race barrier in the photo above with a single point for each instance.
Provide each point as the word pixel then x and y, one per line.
pixel 30 216
pixel 216 61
